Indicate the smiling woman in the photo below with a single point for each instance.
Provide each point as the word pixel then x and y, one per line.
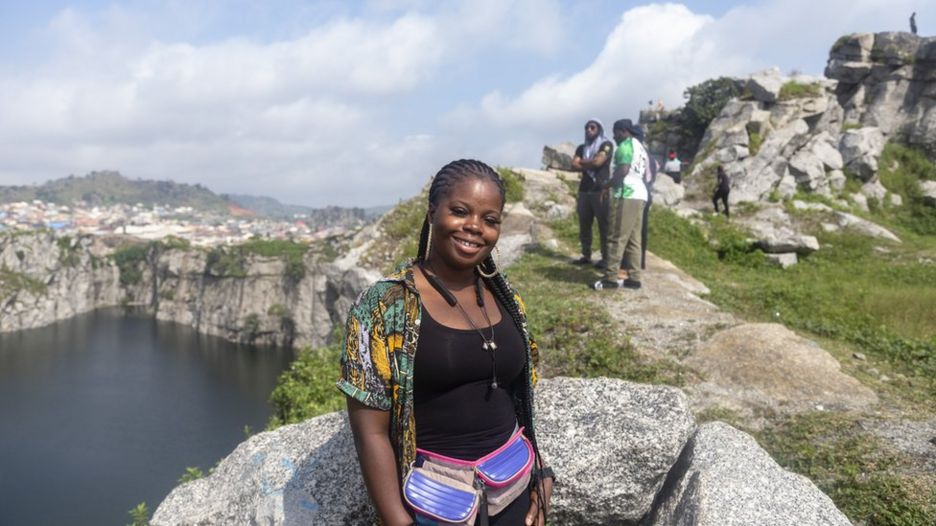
pixel 452 308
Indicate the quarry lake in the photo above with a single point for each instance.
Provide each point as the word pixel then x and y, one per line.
pixel 106 410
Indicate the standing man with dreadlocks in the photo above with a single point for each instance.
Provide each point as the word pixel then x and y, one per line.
pixel 593 159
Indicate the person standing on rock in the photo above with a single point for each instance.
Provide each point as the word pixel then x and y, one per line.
pixel 593 159
pixel 628 196
pixel 468 398
pixel 722 189
pixel 913 27
pixel 673 166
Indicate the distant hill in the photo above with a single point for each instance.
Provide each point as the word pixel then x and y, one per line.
pixel 110 188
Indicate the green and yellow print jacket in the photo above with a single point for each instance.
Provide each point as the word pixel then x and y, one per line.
pixel 379 349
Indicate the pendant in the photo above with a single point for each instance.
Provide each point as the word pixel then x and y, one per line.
pixel 489 346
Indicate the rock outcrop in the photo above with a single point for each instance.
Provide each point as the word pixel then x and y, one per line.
pixel 724 477
pixel 801 133
pixel 45 279
pixel 612 444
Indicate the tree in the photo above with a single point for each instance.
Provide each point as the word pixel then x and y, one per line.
pixel 706 101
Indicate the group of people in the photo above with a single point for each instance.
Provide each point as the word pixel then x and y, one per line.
pixel 617 176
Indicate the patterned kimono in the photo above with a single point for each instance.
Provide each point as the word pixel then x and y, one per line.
pixel 379 351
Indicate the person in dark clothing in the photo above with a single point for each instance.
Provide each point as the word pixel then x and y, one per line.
pixel 913 27
pixel 721 190
pixel 593 159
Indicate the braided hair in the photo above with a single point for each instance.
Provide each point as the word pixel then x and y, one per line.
pixel 440 188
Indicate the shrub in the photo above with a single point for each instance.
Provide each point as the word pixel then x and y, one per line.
pixel 307 388
pixel 513 184
pixel 706 101
pixel 799 90
pixel 129 258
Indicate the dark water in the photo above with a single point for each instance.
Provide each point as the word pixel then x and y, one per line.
pixel 105 411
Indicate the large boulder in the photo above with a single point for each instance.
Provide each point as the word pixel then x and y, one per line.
pixel 611 442
pixel 765 366
pixel 725 478
pixel 861 149
pixel 928 189
pixel 667 192
pixel 765 85
pixel 853 223
pixel 559 157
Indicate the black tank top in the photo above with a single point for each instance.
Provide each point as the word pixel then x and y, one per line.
pixel 457 413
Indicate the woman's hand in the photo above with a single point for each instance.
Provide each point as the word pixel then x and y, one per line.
pixel 537 517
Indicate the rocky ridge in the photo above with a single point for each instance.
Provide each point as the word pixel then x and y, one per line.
pixel 49 278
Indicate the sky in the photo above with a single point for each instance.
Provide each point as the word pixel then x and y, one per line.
pixel 360 103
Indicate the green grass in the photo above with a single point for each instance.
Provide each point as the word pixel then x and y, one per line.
pixel 850 297
pixel 798 90
pixel 851 467
pixel 292 252
pixel 901 170
pixel 576 336
pixel 883 304
pixel 513 184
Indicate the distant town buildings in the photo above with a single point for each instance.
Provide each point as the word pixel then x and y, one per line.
pixel 156 222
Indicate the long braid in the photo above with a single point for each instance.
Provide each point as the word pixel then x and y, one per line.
pixel 441 186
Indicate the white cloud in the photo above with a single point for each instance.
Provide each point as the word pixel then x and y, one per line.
pixel 333 109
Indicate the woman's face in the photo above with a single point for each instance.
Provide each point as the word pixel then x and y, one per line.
pixel 466 223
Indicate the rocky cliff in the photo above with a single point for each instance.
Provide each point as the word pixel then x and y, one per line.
pixel 797 133
pixel 44 279
pixel 270 300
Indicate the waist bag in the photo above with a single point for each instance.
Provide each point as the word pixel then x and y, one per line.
pixel 456 491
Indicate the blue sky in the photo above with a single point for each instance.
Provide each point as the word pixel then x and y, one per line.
pixel 359 103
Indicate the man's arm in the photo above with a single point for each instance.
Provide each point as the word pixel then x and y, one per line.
pixel 594 163
pixel 618 178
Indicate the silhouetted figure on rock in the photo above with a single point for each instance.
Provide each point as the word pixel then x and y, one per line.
pixel 913 27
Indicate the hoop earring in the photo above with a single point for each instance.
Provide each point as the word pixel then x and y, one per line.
pixel 496 267
pixel 428 242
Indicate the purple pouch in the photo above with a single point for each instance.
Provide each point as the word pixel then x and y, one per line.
pixel 449 500
pixel 508 463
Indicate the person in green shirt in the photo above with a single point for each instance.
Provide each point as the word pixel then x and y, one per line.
pixel 628 196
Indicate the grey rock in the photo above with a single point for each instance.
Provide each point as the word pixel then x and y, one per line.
pixel 848 71
pixel 808 170
pixel 861 201
pixel 824 147
pixel 928 189
pixel 634 432
pixel 559 157
pixel 874 190
pixel 667 192
pixel 765 85
pixel 861 149
pixel 856 224
pixel 896 200
pixel 781 244
pixel 765 366
pixel 725 478
pixel 307 473
pixel 837 180
pixel 785 260
pixel 820 207
pixel 300 474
